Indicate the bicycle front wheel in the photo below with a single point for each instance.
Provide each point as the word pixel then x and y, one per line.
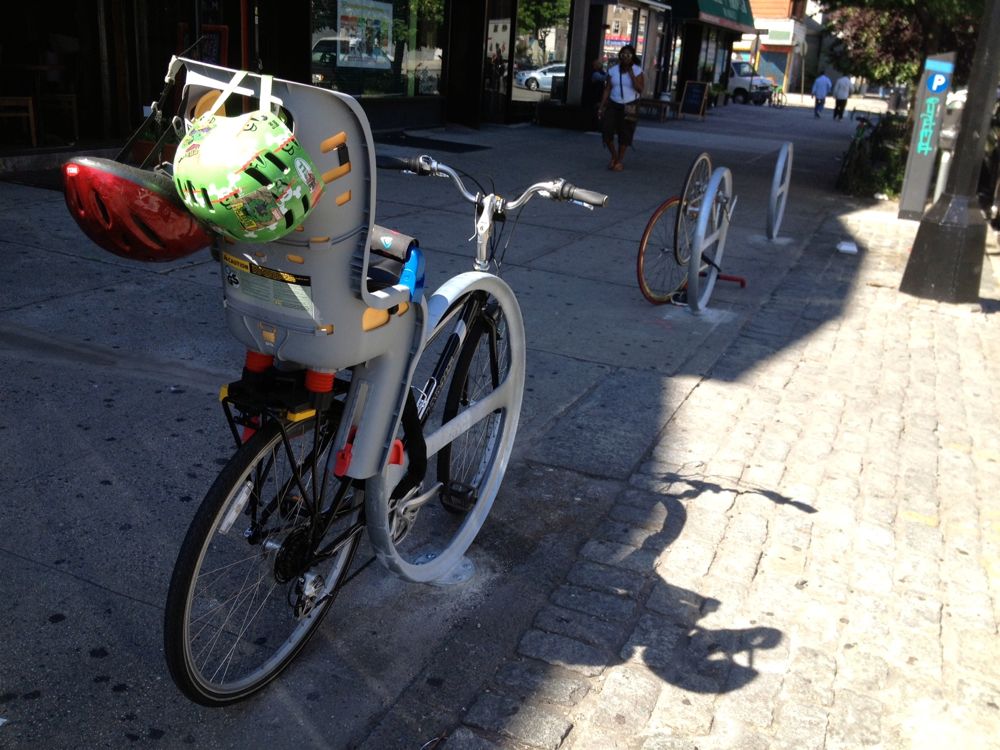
pixel 661 277
pixel 255 574
pixel 468 387
pixel 483 361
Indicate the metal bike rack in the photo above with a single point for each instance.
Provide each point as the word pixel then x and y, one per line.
pixel 779 190
pixel 709 242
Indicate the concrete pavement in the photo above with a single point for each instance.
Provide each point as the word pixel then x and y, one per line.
pixel 773 525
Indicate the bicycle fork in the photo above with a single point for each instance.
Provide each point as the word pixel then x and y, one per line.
pixel 489 208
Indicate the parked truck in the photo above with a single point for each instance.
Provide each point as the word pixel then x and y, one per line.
pixel 745 85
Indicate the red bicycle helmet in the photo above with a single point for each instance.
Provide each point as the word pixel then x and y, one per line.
pixel 131 212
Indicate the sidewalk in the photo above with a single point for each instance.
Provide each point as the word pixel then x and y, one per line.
pixel 808 558
pixel 770 526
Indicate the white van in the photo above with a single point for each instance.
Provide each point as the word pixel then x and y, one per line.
pixel 745 85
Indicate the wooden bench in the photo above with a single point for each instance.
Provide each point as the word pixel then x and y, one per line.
pixel 657 108
pixel 21 108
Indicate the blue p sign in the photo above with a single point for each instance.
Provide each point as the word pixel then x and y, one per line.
pixel 937 82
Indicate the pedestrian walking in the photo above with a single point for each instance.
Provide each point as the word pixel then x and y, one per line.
pixel 841 92
pixel 619 107
pixel 820 90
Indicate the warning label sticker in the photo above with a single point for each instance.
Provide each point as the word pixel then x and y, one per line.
pixel 268 285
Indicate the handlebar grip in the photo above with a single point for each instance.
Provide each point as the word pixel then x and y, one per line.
pixel 401 164
pixel 590 197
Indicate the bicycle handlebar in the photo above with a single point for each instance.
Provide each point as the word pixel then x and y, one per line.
pixel 558 190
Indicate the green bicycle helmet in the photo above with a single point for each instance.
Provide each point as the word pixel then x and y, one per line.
pixel 247 177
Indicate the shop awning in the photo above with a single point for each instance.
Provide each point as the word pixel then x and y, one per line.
pixel 729 14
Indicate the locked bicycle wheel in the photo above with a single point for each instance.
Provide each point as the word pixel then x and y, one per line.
pixel 709 241
pixel 256 575
pixel 661 278
pixel 468 386
pixel 695 183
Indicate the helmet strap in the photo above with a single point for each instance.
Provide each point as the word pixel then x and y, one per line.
pixel 238 76
pixel 265 93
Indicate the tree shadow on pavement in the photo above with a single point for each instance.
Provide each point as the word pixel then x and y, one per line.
pixel 989 306
pixel 698 486
pixel 670 637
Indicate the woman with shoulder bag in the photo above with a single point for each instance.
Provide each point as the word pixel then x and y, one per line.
pixel 619 108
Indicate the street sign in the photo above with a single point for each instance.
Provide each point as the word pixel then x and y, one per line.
pixel 929 108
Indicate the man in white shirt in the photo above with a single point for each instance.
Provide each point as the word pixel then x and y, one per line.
pixel 841 92
pixel 820 90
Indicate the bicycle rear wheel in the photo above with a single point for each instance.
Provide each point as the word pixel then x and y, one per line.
pixel 691 201
pixel 247 591
pixel 710 239
pixel 469 399
pixel 661 277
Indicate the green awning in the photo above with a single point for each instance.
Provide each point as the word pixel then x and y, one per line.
pixel 729 14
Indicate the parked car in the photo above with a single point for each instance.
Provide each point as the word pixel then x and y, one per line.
pixel 324 69
pixel 540 79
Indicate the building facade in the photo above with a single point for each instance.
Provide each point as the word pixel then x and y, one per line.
pixel 777 48
pixel 81 72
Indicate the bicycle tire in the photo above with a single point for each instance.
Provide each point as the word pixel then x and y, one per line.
pixel 695 182
pixel 424 541
pixel 854 174
pixel 477 371
pixel 710 240
pixel 661 278
pixel 213 662
pixel 846 165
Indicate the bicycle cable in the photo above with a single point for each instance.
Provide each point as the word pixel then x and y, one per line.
pixel 510 238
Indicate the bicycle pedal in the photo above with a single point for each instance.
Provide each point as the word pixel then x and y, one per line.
pixel 458 497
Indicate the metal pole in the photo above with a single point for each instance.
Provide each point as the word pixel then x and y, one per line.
pixel 196 26
pixel 802 76
pixel 946 263
pixel 102 33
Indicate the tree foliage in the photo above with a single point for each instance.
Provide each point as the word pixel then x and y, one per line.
pixel 535 15
pixel 886 41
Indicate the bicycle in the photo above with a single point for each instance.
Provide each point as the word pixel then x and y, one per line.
pixel 665 246
pixel 858 154
pixel 408 443
pixel 686 269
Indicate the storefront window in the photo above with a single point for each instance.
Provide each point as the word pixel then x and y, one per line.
pixel 675 62
pixel 706 62
pixel 541 44
pixel 373 48
pixel 618 22
pixel 640 38
pixel 774 65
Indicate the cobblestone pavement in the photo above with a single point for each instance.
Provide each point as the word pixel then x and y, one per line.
pixel 810 556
